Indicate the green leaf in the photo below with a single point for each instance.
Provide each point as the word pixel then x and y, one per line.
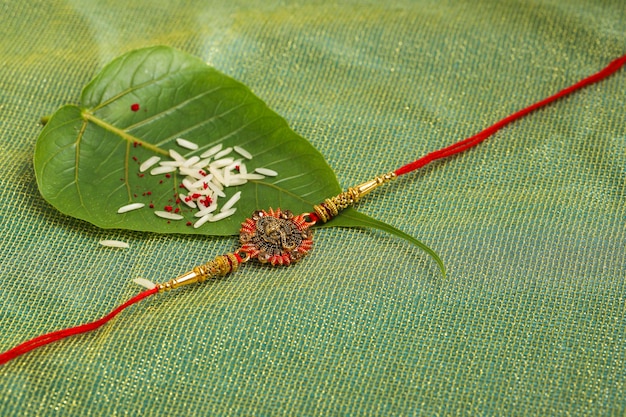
pixel 87 157
pixel 352 218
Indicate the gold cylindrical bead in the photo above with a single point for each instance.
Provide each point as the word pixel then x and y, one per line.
pixel 332 206
pixel 218 267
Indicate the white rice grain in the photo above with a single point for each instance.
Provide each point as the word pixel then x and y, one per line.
pixel 168 215
pixel 184 198
pixel 203 163
pixel 195 173
pixel 148 163
pixel 223 153
pixel 191 161
pixel 146 283
pixel 267 172
pixel 253 176
pixel 221 163
pixel 162 170
pixel 236 180
pixel 171 163
pixel 217 184
pixel 130 207
pixel 186 144
pixel 231 202
pixel 176 156
pixel 208 192
pixel 212 151
pixel 236 163
pixel 212 207
pixel 188 184
pixel 226 174
pixel 200 183
pixel 241 151
pixel 114 244
pixel 216 189
pixel 202 220
pixel 217 175
pixel 222 215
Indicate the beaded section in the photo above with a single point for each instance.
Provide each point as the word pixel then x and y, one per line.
pixel 332 206
pixel 220 266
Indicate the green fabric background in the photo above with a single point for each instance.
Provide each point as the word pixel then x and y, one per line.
pixel 531 224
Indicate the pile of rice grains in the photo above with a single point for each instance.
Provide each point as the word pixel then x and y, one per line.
pixel 205 177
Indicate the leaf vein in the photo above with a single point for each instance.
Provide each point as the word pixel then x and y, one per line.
pixel 170 110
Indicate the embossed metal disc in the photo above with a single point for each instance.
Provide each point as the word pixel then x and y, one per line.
pixel 277 237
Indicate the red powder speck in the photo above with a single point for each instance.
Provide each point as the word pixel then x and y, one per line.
pixel 168 208
pixel 149 193
pixel 188 223
pixel 151 206
pixel 161 182
pixel 176 210
pixel 168 176
pixel 134 107
pixel 141 175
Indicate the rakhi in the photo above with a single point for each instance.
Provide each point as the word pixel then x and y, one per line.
pixel 278 237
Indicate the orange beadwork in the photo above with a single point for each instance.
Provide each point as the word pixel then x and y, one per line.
pixel 277 237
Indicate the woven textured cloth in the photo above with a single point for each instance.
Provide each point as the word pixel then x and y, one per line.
pixel 531 224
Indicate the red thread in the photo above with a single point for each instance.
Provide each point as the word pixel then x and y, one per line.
pixel 433 156
pixel 61 334
pixel 470 142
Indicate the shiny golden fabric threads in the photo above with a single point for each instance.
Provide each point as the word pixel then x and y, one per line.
pixel 220 266
pixel 332 206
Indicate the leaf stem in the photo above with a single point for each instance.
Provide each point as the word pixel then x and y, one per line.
pixel 121 133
